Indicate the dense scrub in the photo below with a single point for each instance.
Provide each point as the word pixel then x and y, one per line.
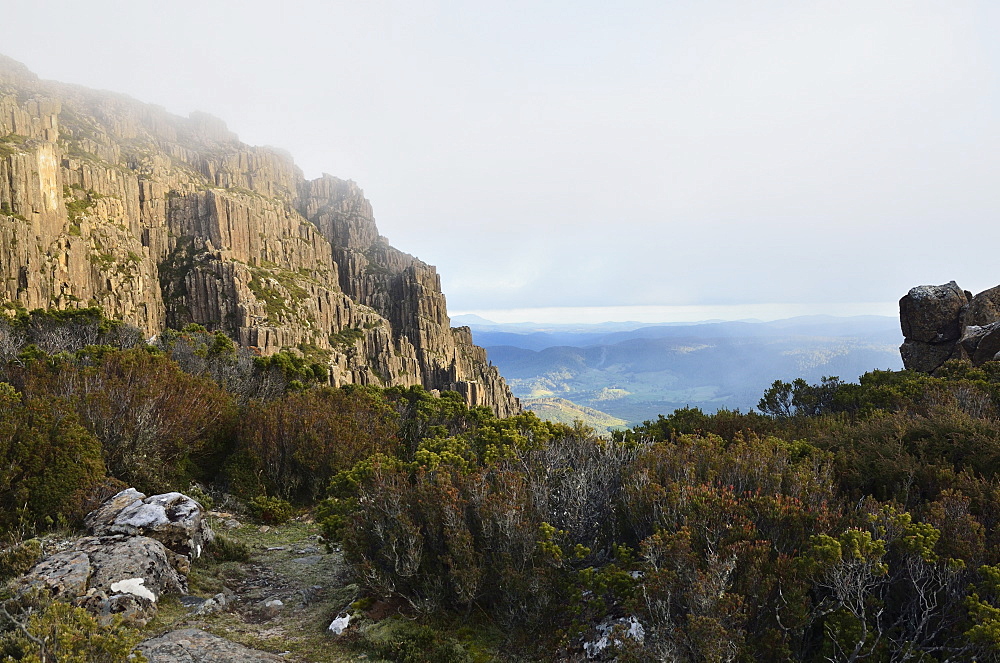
pixel 841 522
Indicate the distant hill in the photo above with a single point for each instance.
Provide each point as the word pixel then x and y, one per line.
pixel 568 412
pixel 655 369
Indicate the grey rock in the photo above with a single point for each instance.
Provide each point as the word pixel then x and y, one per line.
pixel 971 338
pixel 988 345
pixel 984 308
pixel 214 604
pixel 944 322
pixel 174 519
pixel 63 575
pixel 928 357
pixel 196 646
pixel 933 314
pixel 109 575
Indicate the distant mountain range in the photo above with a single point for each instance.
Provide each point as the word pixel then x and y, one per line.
pixel 637 372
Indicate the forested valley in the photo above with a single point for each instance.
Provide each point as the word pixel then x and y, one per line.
pixel 840 522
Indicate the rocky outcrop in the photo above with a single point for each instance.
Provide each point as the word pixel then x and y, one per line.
pixel 944 322
pixel 141 549
pixel 173 519
pixel 164 221
pixel 110 575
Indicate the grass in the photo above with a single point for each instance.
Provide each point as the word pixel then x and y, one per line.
pixel 346 337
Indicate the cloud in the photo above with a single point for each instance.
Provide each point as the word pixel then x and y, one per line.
pixel 558 154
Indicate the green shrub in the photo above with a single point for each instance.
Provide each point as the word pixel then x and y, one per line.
pixel 19 558
pixel 297 443
pixel 406 642
pixel 271 509
pixel 71 635
pixel 49 463
pixel 226 549
pixel 197 492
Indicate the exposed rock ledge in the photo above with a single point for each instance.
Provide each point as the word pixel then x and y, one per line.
pixel 191 645
pixel 141 549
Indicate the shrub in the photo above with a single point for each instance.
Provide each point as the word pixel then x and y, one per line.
pixel 67 634
pixel 406 642
pixel 272 510
pixel 151 417
pixel 49 463
pixel 226 549
pixel 298 442
pixel 19 558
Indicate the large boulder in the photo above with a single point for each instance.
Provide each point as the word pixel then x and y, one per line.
pixel 928 357
pixel 989 344
pixel 109 575
pixel 984 309
pixel 933 313
pixel 191 645
pixel 141 549
pixel 174 519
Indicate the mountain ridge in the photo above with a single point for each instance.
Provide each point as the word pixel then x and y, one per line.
pixel 164 221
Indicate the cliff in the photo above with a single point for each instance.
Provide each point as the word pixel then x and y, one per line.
pixel 944 322
pixel 164 221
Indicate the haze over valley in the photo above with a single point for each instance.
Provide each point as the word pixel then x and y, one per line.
pixel 640 371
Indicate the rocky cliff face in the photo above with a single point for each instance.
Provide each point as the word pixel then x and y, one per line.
pixel 945 322
pixel 163 221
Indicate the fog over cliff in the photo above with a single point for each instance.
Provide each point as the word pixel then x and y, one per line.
pixel 566 154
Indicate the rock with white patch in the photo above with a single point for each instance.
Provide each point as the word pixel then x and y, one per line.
pixel 109 575
pixel 613 633
pixel 134 586
pixel 174 519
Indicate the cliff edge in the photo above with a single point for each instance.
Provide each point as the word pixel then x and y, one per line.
pixel 164 221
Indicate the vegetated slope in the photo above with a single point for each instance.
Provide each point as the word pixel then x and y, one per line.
pixel 842 517
pixel 638 374
pixel 567 412
pixel 164 221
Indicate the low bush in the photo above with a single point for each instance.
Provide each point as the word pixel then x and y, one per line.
pixel 49 463
pixel 67 634
pixel 273 510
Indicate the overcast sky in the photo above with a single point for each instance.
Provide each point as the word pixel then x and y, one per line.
pixel 695 159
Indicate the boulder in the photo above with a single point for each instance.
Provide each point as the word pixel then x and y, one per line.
pixel 928 357
pixel 109 575
pixel 988 345
pixel 174 519
pixel 984 308
pixel 191 645
pixel 972 337
pixel 933 314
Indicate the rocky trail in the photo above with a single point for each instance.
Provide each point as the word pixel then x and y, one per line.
pixel 278 604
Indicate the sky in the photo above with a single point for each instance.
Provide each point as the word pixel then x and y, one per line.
pixel 567 160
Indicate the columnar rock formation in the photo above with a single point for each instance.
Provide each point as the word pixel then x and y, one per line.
pixel 945 322
pixel 164 221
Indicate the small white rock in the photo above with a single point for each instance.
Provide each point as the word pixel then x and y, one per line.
pixel 133 586
pixel 338 625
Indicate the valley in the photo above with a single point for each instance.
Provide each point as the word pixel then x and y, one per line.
pixel 636 374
